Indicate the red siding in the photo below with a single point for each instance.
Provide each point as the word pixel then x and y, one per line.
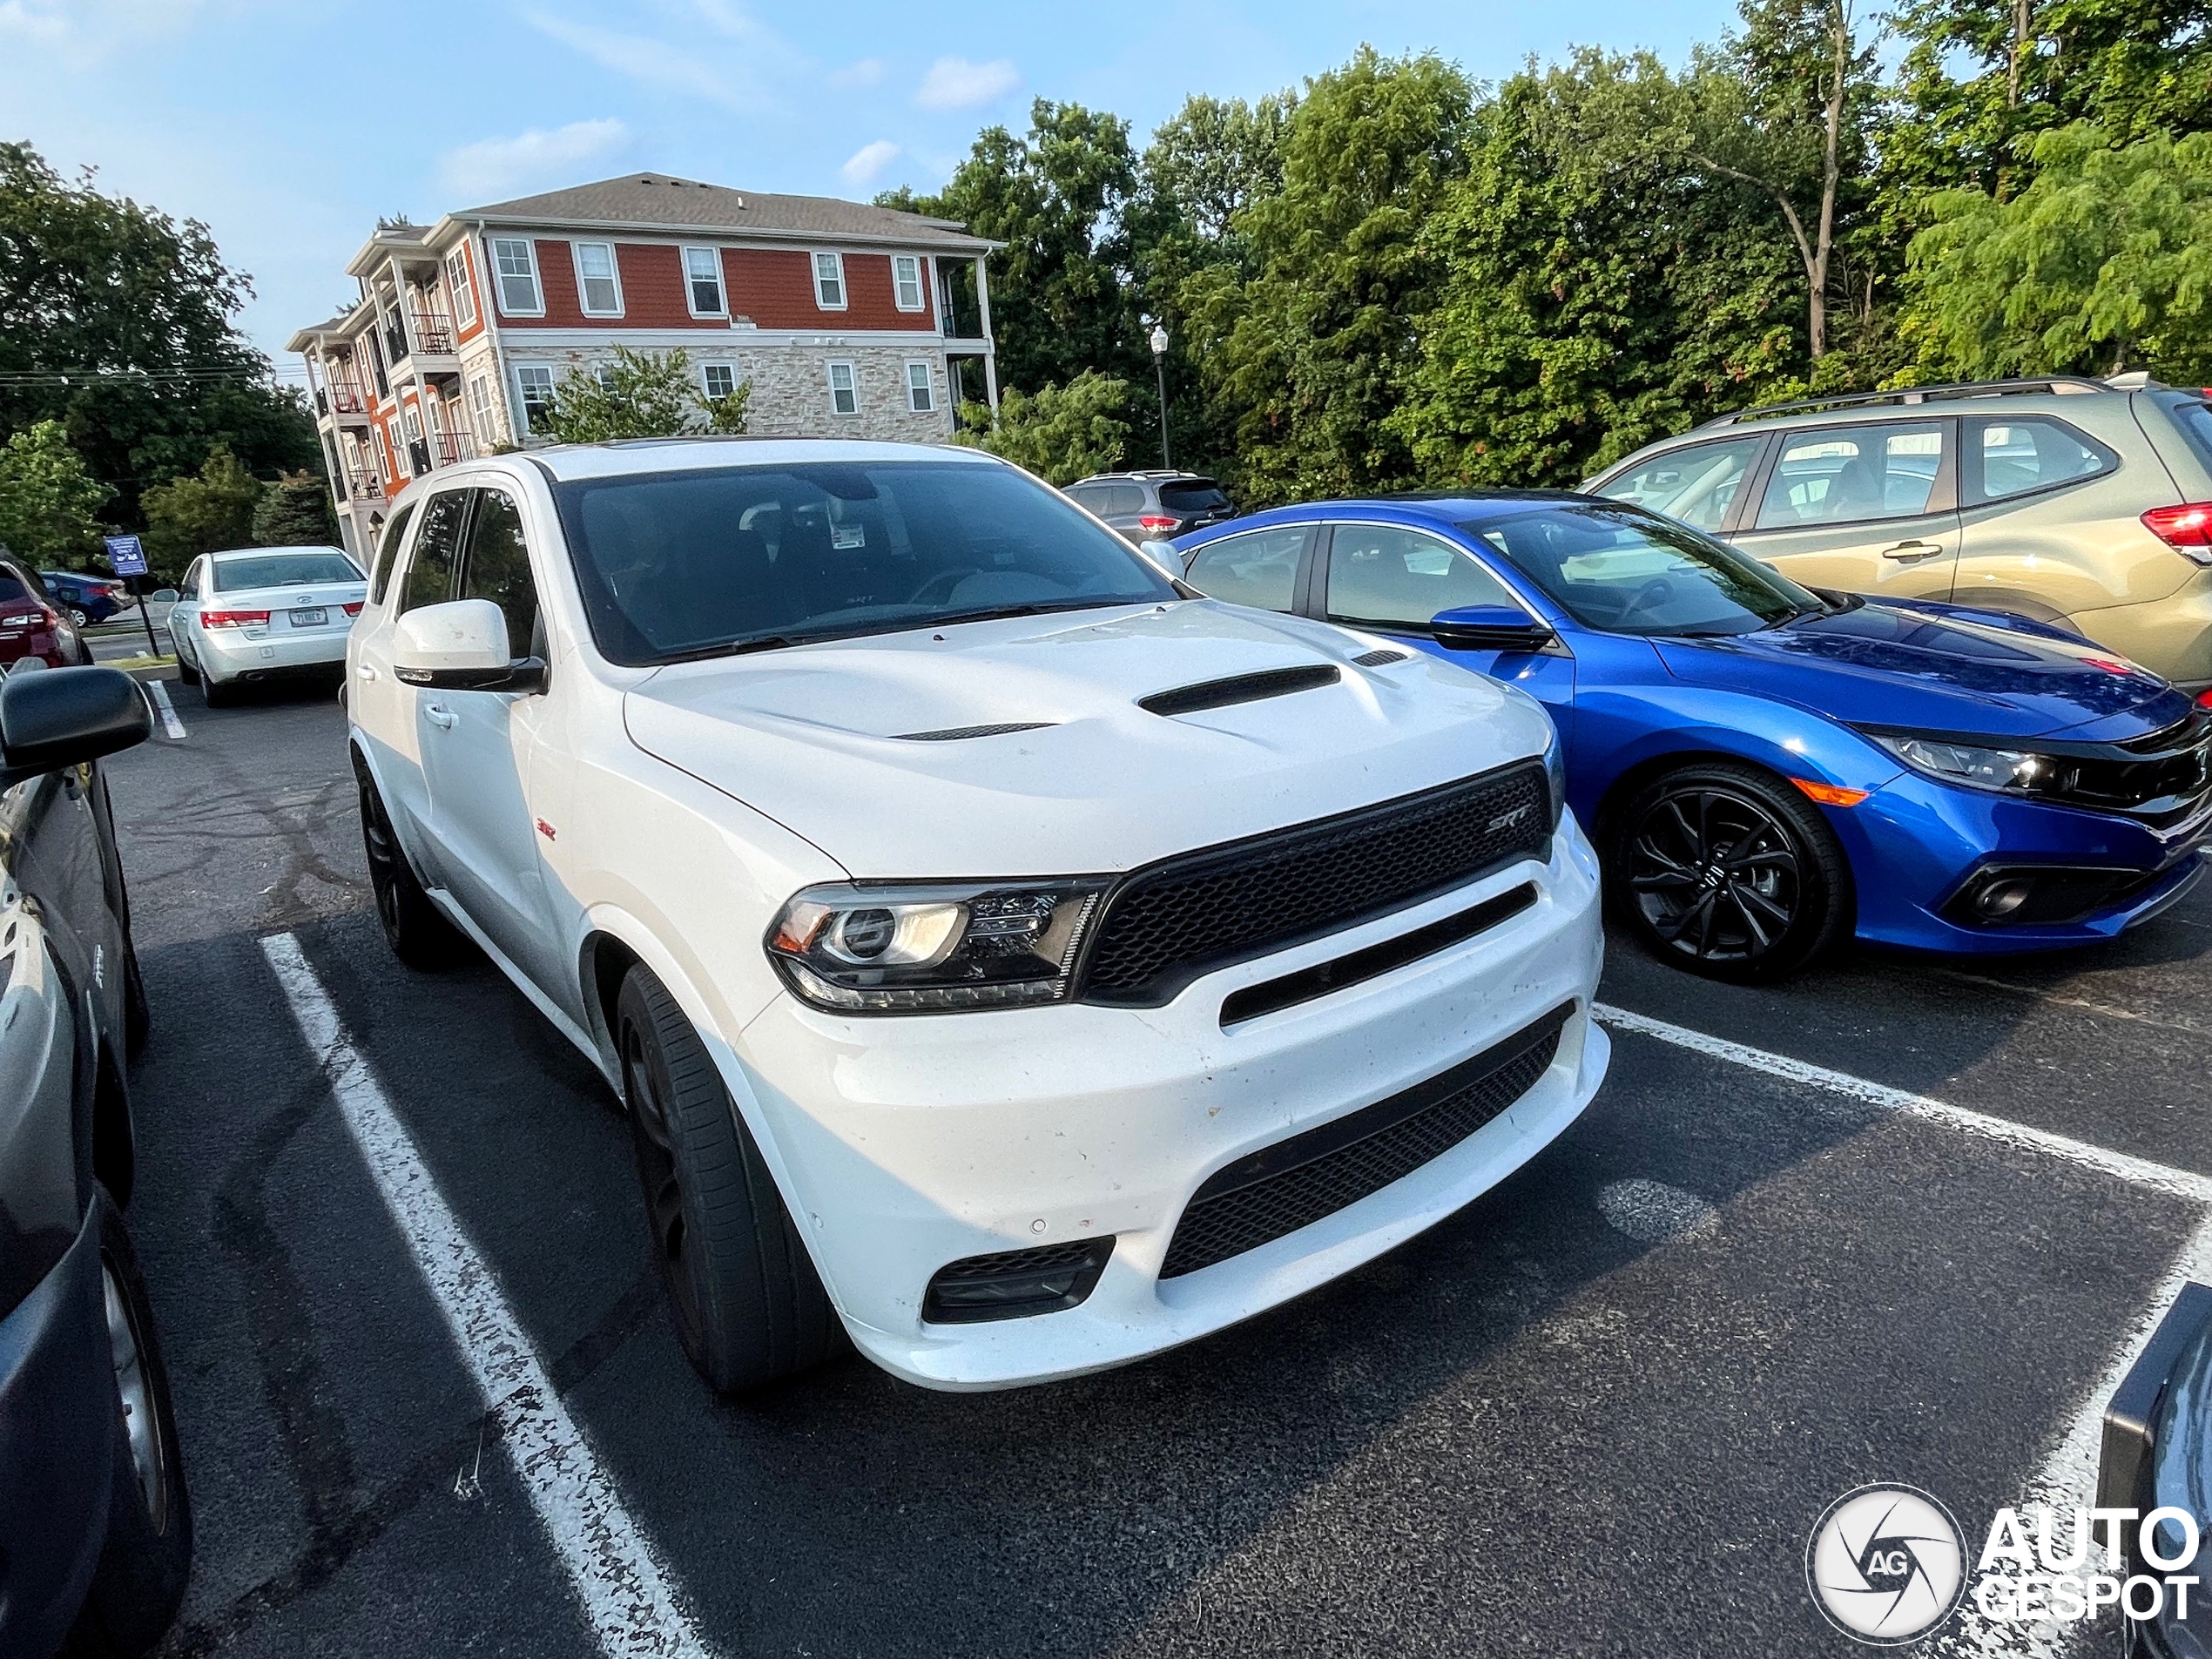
pixel 871 297
pixel 652 287
pixel 774 287
pixel 556 280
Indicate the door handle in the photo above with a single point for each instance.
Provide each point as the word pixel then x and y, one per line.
pixel 365 671
pixel 438 715
pixel 1911 549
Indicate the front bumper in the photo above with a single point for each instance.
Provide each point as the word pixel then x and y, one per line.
pixel 908 1143
pixel 228 654
pixel 1916 842
pixel 57 1438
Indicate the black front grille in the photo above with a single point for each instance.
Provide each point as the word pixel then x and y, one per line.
pixel 1295 1183
pixel 1164 926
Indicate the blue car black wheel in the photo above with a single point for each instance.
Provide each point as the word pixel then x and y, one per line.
pixel 1729 873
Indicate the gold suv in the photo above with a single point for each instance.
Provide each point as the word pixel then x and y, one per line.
pixel 2083 502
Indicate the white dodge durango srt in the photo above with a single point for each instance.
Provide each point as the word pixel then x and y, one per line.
pixel 1009 959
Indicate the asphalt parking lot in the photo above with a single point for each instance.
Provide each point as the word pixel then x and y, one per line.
pixel 1598 1412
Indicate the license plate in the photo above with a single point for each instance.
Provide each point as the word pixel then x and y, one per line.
pixel 310 617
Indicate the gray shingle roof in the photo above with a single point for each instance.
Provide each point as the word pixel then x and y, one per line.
pixel 659 199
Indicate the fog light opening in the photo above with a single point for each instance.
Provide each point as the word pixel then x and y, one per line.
pixel 2000 899
pixel 1014 1283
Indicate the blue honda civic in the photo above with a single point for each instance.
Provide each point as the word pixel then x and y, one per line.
pixel 1766 768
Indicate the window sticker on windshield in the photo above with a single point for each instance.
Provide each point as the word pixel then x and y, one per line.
pixel 845 535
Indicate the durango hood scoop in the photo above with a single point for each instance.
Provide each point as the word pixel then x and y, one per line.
pixel 901 755
pixel 1934 668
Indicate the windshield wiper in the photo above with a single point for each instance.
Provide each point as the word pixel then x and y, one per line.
pixel 736 647
pixel 999 613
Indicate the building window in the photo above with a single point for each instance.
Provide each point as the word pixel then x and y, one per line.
pixel 718 380
pixel 464 298
pixel 921 395
pixel 479 412
pixel 517 264
pixel 595 280
pixel 703 281
pixel 537 382
pixel 829 282
pixel 604 373
pixel 845 392
pixel 905 280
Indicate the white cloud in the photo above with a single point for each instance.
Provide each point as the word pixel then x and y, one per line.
pixel 954 83
pixel 867 72
pixel 82 31
pixel 869 160
pixel 495 167
pixel 734 85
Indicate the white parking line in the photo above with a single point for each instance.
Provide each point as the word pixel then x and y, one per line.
pixel 625 1595
pixel 170 723
pixel 2141 1172
pixel 2068 1476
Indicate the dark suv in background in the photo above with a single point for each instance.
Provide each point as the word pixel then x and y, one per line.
pixel 1153 506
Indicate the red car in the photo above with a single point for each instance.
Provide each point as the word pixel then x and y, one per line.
pixel 31 624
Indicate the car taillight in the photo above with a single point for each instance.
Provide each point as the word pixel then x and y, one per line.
pixel 234 618
pixel 29 619
pixel 355 609
pixel 1154 522
pixel 2186 528
pixel 2204 699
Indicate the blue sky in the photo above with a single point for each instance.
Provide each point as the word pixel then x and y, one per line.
pixel 289 125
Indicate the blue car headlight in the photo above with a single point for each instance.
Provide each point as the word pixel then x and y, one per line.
pixel 2011 771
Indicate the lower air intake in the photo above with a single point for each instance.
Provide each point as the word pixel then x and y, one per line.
pixel 1295 1183
pixel 1014 1284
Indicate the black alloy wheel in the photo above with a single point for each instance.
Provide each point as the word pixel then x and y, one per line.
pixel 748 1306
pixel 1729 873
pixel 417 931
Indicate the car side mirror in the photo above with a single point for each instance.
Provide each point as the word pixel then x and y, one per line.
pixel 461 646
pixel 1163 555
pixel 1489 628
pixel 67 715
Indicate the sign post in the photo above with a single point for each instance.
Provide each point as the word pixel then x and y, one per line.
pixel 129 558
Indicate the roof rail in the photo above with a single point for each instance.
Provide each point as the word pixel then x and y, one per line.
pixel 2062 384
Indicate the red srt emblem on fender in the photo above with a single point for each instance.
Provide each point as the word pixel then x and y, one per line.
pixel 546 830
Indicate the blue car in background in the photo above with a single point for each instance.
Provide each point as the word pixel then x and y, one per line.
pixel 85 599
pixel 1765 768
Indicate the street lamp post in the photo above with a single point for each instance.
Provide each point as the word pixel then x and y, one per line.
pixel 1160 365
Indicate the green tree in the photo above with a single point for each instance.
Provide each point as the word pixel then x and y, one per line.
pixel 1061 300
pixel 641 395
pixel 1060 433
pixel 118 323
pixel 2103 262
pixel 295 511
pixel 2134 67
pixel 48 497
pixel 1784 107
pixel 206 512
pixel 1306 355
pixel 1598 292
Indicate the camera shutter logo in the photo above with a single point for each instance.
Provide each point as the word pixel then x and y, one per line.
pixel 1886 1564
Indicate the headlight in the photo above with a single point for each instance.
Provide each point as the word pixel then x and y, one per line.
pixel 2011 770
pixel 1555 778
pixel 901 948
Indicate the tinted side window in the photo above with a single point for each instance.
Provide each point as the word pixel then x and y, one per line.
pixel 498 569
pixel 1257 568
pixel 12 589
pixel 2192 418
pixel 1389 577
pixel 437 550
pixel 191 589
pixel 2011 457
pixel 387 550
pixel 1696 485
pixel 1845 475
pixel 1193 497
pixel 1108 500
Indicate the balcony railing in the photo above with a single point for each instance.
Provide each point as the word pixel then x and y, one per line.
pixel 451 448
pixel 433 333
pixel 363 482
pixel 346 398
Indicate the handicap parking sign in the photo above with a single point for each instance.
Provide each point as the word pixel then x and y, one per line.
pixel 125 554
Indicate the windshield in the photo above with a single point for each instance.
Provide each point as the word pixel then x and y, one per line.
pixel 1630 573
pixel 677 564
pixel 282 570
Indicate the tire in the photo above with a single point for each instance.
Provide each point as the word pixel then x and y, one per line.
pixel 146 1560
pixel 216 694
pixel 1726 871
pixel 747 1304
pixel 416 930
pixel 187 670
pixel 138 1012
pixel 77 618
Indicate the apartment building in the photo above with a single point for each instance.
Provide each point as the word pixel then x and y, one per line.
pixel 845 319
